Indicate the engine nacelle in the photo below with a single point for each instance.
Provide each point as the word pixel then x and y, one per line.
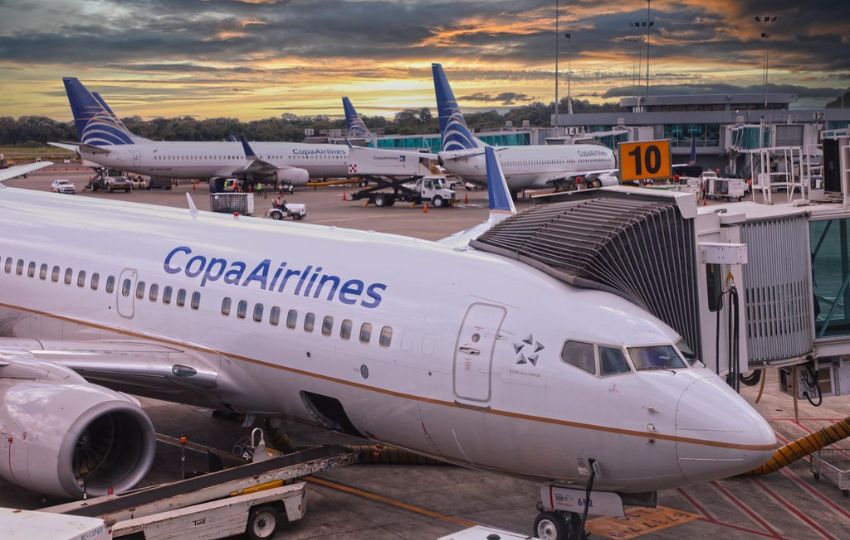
pixel 58 436
pixel 293 175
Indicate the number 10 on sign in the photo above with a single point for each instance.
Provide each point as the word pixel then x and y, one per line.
pixel 645 160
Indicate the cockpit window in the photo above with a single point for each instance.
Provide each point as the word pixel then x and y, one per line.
pixel 612 360
pixel 579 355
pixel 656 357
pixel 687 352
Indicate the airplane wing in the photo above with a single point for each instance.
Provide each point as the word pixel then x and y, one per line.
pixel 81 147
pixel 499 200
pixel 604 177
pixel 20 170
pixel 137 367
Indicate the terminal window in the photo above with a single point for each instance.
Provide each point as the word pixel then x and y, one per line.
pixel 830 245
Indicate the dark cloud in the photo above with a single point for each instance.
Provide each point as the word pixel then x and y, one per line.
pixel 505 98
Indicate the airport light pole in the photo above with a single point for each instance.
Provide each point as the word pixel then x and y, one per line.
pixel 637 62
pixel 766 21
pixel 569 67
pixel 643 25
pixel 649 24
pixel 557 45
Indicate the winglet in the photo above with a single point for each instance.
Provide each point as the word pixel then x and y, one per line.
pixel 20 170
pixel 192 208
pixel 501 204
pixel 249 152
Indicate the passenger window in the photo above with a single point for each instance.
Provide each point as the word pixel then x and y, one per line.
pixel 225 306
pixel 181 297
pixel 166 295
pixel 110 281
pixel 69 274
pixel 386 336
pixel 291 319
pixel 241 309
pixel 140 290
pixel 327 325
pixel 31 269
pixel 95 281
pixel 153 292
pixel 579 355
pixel 612 360
pixel 345 329
pixel 81 279
pixel 9 265
pixel 19 269
pixel 125 286
pixel 309 322
pixel 365 332
pixel 42 272
pixel 196 300
pixel 657 357
pixel 274 316
pixel 258 312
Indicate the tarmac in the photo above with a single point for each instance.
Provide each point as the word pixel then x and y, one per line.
pixel 426 502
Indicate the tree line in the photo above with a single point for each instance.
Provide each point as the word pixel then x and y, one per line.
pixel 35 130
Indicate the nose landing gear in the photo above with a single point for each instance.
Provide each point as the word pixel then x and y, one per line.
pixel 558 525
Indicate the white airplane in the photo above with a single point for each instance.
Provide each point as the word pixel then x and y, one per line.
pixel 106 141
pixel 525 167
pixel 503 368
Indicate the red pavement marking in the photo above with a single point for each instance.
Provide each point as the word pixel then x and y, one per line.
pixel 743 507
pixel 792 509
pixel 708 518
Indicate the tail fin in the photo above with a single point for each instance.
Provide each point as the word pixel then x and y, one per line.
pixel 356 127
pixel 136 138
pixel 454 133
pixel 96 125
pixel 498 195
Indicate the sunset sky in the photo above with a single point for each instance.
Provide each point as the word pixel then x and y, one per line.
pixel 255 58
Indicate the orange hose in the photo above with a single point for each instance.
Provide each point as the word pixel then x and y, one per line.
pixel 804 446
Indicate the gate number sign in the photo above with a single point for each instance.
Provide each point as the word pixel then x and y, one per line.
pixel 645 160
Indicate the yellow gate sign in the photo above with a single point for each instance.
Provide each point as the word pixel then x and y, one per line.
pixel 645 160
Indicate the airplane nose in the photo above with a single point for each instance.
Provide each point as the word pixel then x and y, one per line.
pixel 718 433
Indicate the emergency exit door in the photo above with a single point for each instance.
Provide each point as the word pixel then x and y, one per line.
pixel 473 359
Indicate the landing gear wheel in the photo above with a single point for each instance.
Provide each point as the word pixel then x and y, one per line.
pixel 438 202
pixel 551 526
pixel 263 522
pixel 380 200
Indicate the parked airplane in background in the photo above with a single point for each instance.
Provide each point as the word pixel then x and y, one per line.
pixel 107 142
pixel 503 368
pixel 525 167
pixel 354 124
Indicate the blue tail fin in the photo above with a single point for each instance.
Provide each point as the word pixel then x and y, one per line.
pixel 498 195
pixel 96 125
pixel 355 125
pixel 454 133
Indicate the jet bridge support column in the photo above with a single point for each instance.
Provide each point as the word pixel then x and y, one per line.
pixel 723 321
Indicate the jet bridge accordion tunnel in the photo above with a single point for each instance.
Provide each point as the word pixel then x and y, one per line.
pixel 736 285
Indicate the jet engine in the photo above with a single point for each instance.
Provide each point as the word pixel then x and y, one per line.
pixel 64 436
pixel 293 175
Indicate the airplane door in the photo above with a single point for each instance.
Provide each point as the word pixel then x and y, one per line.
pixel 473 359
pixel 126 292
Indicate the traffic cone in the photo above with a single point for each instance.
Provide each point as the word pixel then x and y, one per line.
pixel 466 198
pixel 344 197
pixel 425 208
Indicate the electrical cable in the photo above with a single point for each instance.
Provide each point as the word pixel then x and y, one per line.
pixel 810 379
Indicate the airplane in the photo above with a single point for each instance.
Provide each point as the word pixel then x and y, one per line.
pixel 504 368
pixel 525 167
pixel 106 141
pixel 354 124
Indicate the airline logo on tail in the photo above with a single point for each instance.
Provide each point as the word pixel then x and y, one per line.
pixel 355 125
pixel 454 133
pixel 95 123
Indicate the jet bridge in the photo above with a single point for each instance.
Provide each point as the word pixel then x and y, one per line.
pixel 733 280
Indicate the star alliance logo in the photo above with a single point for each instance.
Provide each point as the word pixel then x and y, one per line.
pixel 528 355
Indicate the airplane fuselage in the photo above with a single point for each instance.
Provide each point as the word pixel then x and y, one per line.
pixel 441 367
pixel 530 167
pixel 204 160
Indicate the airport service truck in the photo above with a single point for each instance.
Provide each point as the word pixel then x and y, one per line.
pixel 429 189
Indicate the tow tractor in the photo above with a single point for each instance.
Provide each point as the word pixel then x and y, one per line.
pixel 287 210
pixel 428 189
pixel 255 499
